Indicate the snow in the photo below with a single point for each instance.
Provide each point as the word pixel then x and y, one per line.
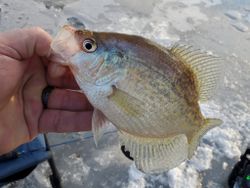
pixel 136 178
pixel 79 170
pixel 220 26
pixel 240 26
pixel 234 14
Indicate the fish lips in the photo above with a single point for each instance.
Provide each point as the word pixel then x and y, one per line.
pixel 64 45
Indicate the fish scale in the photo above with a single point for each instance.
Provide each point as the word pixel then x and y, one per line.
pixel 158 93
pixel 146 122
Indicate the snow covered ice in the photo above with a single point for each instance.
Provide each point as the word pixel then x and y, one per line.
pixel 220 26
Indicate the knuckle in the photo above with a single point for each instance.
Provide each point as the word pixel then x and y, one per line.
pixel 37 29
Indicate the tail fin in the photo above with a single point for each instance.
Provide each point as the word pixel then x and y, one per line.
pixel 194 141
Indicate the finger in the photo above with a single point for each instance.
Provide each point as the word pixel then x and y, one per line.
pixel 68 100
pixel 65 121
pixel 10 76
pixel 56 70
pixel 32 41
pixel 67 80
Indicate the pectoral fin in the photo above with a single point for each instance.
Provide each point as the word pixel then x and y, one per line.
pixel 154 155
pixel 99 121
pixel 128 104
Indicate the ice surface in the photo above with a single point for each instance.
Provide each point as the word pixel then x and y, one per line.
pixel 240 26
pixel 234 14
pixel 220 26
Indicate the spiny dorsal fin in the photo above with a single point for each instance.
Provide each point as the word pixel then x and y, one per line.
pixel 207 68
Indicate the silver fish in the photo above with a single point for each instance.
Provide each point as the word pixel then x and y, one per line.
pixel 149 92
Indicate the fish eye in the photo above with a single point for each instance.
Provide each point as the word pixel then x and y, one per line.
pixel 89 45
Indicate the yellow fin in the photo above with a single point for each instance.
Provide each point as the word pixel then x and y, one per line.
pixel 194 141
pixel 155 155
pixel 207 68
pixel 128 104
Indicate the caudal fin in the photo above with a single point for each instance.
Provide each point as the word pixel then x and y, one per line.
pixel 154 155
pixel 194 141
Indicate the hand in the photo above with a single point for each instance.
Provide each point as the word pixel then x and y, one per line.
pixel 25 71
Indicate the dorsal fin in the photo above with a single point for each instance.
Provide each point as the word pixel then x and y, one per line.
pixel 207 68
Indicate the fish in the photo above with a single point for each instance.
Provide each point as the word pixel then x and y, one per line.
pixel 149 92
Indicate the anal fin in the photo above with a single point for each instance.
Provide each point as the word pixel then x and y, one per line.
pixel 155 155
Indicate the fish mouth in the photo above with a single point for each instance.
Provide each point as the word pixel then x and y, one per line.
pixel 64 45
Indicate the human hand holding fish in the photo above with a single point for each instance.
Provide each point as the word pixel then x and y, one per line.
pixel 25 70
